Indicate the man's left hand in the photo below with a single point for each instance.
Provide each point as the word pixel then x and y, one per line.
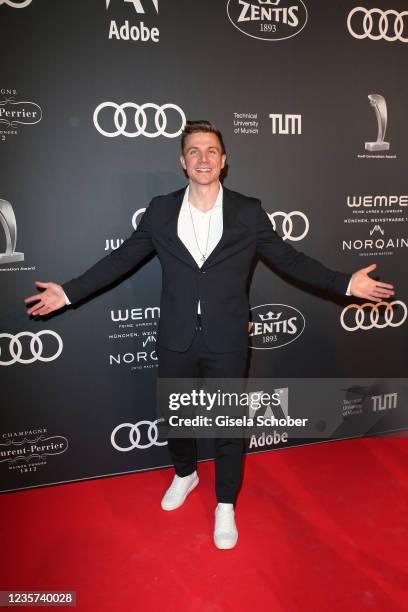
pixel 363 286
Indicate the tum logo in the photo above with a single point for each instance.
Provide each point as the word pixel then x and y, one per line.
pixel 286 124
pixel 384 402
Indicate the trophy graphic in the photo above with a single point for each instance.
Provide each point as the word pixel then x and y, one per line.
pixel 380 107
pixel 8 221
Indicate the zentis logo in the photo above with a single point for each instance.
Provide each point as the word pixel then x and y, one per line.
pixel 274 325
pixel 268 19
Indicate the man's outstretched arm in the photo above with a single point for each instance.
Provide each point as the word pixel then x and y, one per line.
pixel 278 253
pixel 108 269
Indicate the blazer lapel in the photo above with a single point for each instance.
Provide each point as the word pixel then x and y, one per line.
pixel 228 224
pixel 178 247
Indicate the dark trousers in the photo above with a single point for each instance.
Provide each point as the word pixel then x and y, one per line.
pixel 199 362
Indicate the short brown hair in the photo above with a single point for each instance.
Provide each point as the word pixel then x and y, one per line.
pixel 201 126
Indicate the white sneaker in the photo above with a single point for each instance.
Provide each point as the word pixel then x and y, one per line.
pixel 178 491
pixel 225 530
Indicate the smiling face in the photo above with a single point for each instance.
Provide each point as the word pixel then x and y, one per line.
pixel 203 158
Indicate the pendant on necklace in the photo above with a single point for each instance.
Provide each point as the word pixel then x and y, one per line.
pixel 203 258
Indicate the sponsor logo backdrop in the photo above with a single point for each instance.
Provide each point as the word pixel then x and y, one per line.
pixel 311 97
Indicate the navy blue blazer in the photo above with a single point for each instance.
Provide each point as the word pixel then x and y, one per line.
pixel 221 284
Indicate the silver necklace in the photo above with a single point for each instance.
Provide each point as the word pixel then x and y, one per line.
pixel 203 255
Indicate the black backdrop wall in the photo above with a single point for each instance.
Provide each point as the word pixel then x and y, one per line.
pixel 92 100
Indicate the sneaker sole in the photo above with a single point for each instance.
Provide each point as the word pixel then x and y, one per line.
pixel 225 546
pixel 192 486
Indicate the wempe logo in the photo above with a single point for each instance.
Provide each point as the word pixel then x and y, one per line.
pixel 377 201
pixel 268 19
pixel 135 314
pixel 275 325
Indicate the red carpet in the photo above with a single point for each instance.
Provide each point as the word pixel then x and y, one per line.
pixel 321 527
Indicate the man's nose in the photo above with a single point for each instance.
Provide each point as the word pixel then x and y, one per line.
pixel 203 157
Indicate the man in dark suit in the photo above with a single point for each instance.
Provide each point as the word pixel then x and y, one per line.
pixel 206 237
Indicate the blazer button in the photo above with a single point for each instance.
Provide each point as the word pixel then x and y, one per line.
pixel 203 272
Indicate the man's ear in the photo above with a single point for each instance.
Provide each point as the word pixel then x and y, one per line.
pixel 224 160
pixel 183 161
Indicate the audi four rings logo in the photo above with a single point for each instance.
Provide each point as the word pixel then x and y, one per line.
pixel 137 216
pixel 287 225
pixel 358 315
pixel 21 4
pixel 138 126
pixel 36 347
pixel 390 24
pixel 135 435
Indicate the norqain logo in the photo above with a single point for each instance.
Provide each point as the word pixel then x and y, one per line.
pixel 268 19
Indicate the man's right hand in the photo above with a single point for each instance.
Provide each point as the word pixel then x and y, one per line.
pixel 47 301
